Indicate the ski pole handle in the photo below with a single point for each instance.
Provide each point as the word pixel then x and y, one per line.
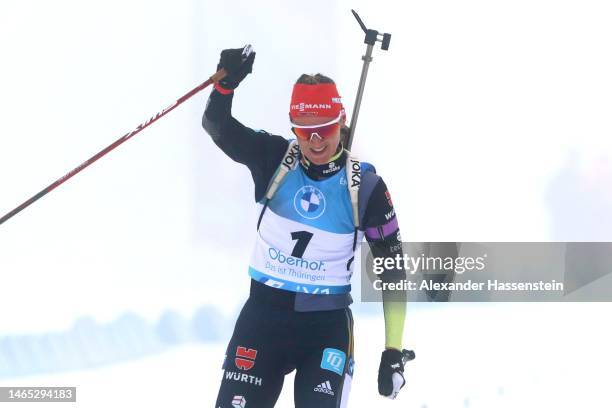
pixel 407 355
pixel 219 75
pixel 222 73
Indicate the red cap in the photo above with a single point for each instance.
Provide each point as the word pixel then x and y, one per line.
pixel 315 100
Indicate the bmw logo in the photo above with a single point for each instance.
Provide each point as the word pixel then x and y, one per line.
pixel 309 202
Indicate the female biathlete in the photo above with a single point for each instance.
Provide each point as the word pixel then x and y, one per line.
pixel 317 202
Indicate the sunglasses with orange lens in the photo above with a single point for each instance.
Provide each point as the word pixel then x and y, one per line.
pixel 324 132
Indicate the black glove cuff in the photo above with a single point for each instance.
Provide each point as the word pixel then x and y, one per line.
pixel 391 357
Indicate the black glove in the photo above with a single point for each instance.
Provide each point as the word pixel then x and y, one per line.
pixel 238 63
pixel 391 371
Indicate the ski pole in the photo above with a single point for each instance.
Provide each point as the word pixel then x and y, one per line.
pixel 407 355
pixel 217 76
pixel 371 37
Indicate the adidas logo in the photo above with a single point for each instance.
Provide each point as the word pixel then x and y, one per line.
pixel 324 387
pixel 396 365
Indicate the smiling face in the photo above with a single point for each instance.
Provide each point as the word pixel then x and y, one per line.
pixel 316 149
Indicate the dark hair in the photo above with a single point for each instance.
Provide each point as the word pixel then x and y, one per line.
pixel 344 134
pixel 314 79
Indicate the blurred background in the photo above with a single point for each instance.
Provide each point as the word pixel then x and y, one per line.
pixel 490 121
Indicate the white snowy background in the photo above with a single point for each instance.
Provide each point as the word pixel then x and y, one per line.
pixel 489 120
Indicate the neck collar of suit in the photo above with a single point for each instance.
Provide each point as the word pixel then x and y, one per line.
pixel 322 171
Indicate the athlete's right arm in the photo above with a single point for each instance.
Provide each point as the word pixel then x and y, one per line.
pixel 260 151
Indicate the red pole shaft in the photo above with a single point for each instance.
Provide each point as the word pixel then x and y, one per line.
pixel 216 77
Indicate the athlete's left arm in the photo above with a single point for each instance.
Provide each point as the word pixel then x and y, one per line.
pixel 383 236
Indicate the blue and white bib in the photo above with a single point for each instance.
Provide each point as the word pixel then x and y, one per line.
pixel 306 236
